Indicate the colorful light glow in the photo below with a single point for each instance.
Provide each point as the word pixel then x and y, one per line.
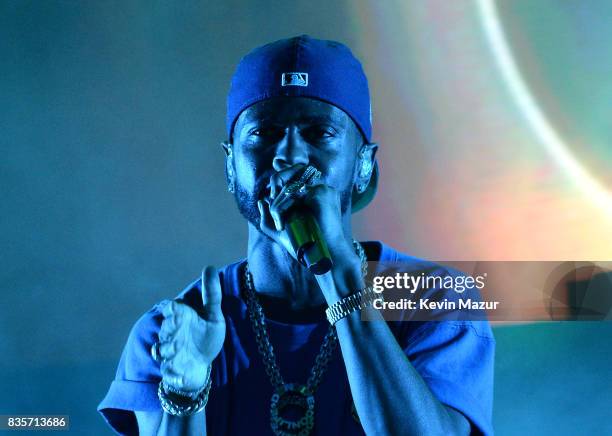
pixel 466 172
pixel 543 129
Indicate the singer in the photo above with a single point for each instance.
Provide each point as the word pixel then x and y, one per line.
pixel 271 345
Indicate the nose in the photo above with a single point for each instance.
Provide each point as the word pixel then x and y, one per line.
pixel 290 150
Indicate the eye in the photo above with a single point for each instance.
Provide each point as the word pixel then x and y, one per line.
pixel 318 132
pixel 267 133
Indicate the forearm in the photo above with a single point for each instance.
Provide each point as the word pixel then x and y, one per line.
pixel 390 396
pixel 183 426
pixel 164 424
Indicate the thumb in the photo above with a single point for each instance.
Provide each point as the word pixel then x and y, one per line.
pixel 211 294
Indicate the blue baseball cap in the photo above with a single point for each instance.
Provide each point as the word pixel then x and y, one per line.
pixel 303 66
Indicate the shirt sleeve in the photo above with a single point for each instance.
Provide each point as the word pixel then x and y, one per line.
pixel 137 378
pixel 456 359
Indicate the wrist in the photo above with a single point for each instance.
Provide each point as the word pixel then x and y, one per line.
pixel 179 402
pixel 351 305
pixel 344 279
pixel 342 250
pixel 347 275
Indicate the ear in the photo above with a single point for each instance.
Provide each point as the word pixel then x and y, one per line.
pixel 365 166
pixel 229 165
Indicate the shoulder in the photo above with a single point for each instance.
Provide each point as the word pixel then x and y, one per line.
pixel 388 257
pixel 448 285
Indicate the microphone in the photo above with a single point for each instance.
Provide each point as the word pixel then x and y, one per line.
pixel 307 241
pixel 305 235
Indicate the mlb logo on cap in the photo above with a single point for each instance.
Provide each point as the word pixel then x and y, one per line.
pixel 294 79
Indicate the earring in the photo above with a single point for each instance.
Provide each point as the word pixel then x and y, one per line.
pixel 364 172
pixel 366 168
pixel 229 170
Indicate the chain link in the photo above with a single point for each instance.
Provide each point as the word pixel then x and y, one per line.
pixel 262 339
pixel 261 335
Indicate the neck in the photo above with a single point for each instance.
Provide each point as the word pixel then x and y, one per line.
pixel 278 275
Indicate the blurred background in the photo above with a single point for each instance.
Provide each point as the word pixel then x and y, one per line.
pixel 496 144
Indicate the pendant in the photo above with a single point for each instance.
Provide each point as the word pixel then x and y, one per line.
pixel 294 398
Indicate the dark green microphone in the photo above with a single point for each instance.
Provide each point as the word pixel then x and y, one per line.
pixel 304 232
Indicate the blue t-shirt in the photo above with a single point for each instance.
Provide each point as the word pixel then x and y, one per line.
pixel 454 358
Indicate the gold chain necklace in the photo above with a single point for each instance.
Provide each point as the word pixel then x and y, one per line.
pixel 293 395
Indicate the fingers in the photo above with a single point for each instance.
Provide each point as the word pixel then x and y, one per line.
pixel 170 308
pixel 183 373
pixel 281 178
pixel 314 197
pixel 322 200
pixel 174 379
pixel 171 313
pixel 211 294
pixel 277 209
pixel 283 194
pixel 167 368
pixel 175 316
pixel 164 349
pixel 167 349
pixel 287 197
pixel 182 335
pixel 171 376
pixel 266 222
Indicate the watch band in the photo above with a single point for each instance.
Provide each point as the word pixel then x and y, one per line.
pixel 357 301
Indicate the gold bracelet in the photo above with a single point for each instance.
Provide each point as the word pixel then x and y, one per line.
pixel 357 301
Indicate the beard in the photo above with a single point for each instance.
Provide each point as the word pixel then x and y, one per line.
pixel 247 200
pixel 247 204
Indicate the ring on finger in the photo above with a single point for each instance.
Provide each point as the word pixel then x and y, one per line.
pixel 310 175
pixel 294 188
pixel 155 354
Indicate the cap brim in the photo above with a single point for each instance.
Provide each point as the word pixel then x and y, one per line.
pixel 360 201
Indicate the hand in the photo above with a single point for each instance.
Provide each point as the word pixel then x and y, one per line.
pixel 323 202
pixel 189 341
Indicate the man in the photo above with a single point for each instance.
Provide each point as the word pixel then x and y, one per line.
pixel 248 350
